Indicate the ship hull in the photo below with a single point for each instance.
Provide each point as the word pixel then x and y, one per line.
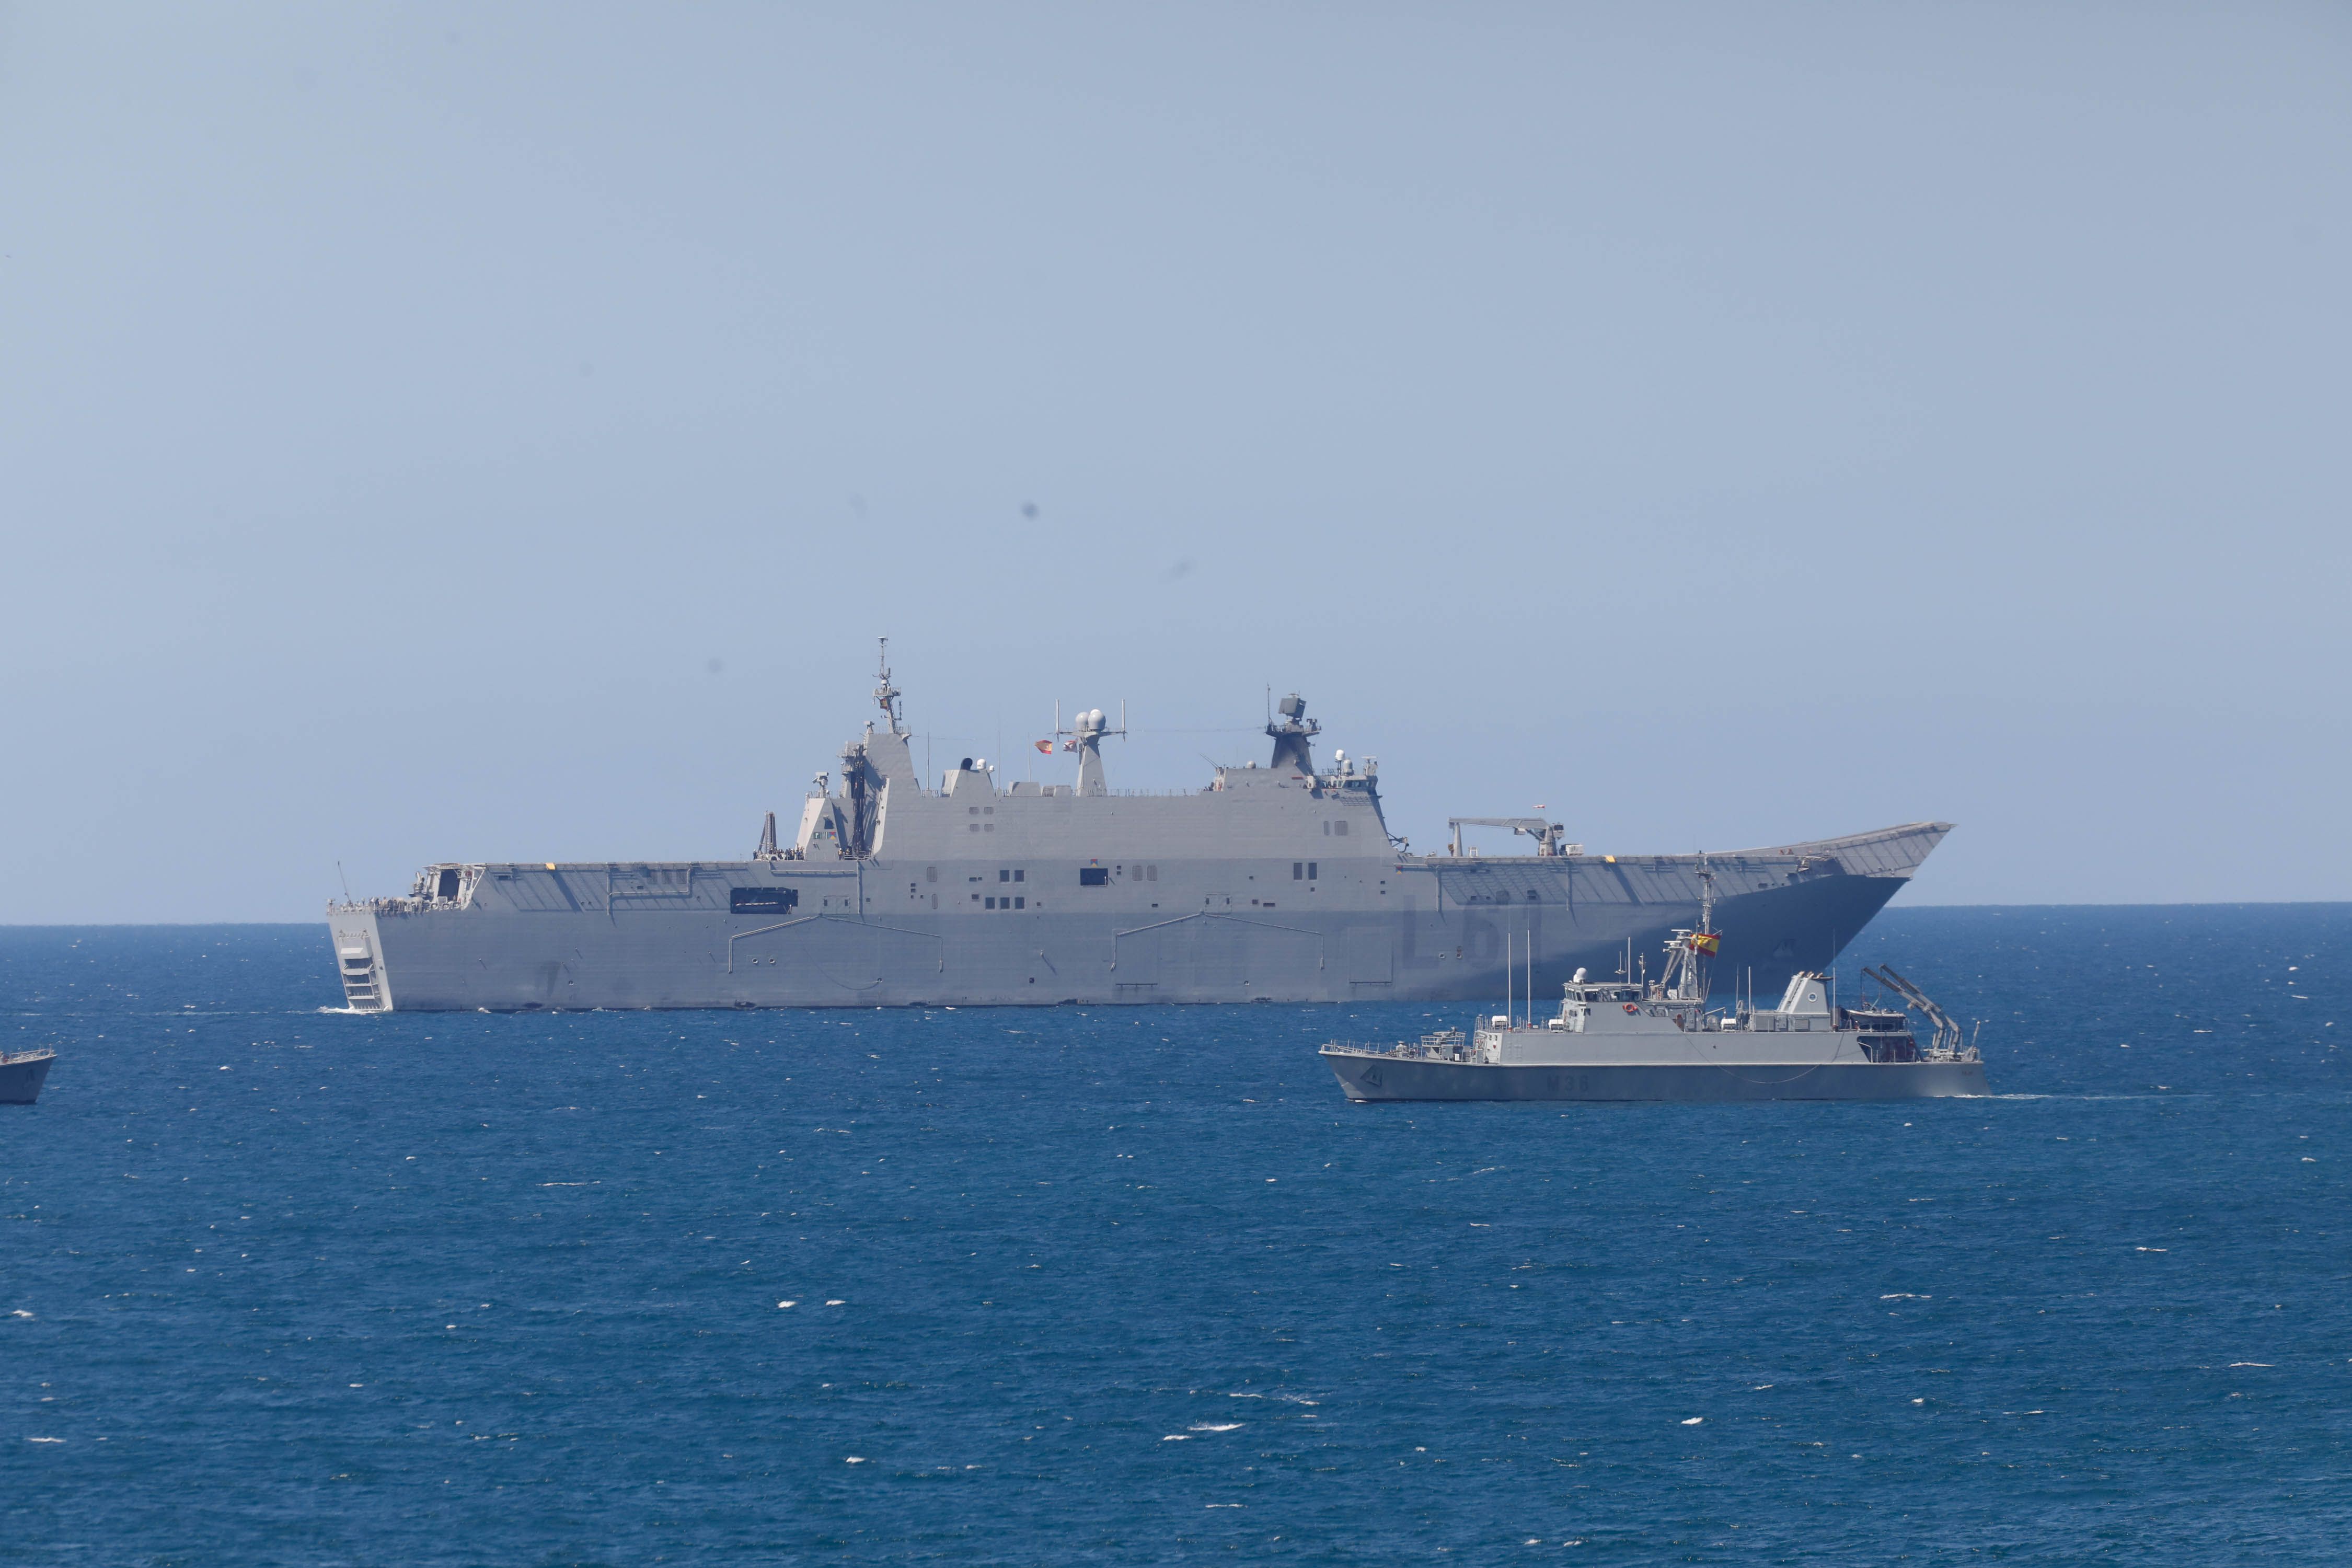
pixel 875 932
pixel 1368 1077
pixel 20 1081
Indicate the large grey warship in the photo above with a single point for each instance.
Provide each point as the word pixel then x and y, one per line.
pixel 1276 883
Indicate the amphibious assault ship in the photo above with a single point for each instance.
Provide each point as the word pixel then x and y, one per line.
pixel 1274 882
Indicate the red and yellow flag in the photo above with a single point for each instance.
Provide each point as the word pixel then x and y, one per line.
pixel 1707 942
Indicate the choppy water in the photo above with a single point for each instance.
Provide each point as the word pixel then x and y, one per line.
pixel 281 1285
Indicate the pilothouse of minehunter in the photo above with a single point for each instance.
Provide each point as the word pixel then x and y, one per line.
pixel 1275 881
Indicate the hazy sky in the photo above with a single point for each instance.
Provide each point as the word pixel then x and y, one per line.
pixel 436 433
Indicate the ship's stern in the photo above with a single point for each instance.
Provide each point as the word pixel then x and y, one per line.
pixel 359 958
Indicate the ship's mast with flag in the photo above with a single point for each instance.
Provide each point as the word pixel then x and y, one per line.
pixel 1088 728
pixel 1688 952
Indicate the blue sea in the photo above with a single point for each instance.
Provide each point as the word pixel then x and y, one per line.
pixel 283 1284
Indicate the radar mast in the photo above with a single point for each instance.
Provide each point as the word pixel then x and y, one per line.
pixel 886 696
pixel 1293 736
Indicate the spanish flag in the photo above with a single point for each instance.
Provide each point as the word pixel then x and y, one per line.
pixel 1708 942
pixel 1046 747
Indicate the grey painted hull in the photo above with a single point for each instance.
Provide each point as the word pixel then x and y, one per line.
pixel 20 1081
pixel 1366 1078
pixel 879 932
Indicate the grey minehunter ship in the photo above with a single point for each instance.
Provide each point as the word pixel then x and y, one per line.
pixel 1277 882
pixel 1661 1040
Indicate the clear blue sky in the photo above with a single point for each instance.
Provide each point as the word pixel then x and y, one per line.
pixel 463 432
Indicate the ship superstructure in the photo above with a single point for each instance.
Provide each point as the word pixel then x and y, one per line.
pixel 1274 882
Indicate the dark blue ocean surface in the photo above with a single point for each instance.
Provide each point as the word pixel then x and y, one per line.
pixel 284 1286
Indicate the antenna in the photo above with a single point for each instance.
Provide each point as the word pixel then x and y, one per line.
pixel 345 880
pixel 885 695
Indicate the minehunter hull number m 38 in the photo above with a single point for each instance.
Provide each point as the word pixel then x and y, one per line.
pixel 1276 882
